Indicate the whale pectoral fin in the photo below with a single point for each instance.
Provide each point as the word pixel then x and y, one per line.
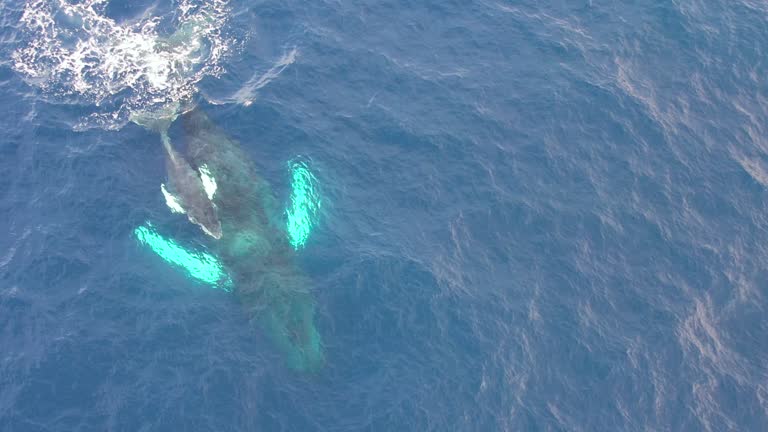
pixel 303 212
pixel 197 264
pixel 209 182
pixel 171 200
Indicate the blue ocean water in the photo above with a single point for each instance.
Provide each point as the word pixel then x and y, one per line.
pixel 538 216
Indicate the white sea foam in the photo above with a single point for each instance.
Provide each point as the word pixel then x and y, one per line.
pixel 75 52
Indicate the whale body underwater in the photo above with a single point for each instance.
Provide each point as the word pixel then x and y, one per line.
pixel 253 246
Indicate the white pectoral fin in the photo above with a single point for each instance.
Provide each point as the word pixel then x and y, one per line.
pixel 209 182
pixel 172 201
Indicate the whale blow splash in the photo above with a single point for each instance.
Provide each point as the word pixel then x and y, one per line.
pixel 75 53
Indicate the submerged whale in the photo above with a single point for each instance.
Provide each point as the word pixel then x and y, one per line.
pixel 254 247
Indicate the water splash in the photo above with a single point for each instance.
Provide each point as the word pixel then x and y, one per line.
pixel 302 214
pixel 76 53
pixel 202 266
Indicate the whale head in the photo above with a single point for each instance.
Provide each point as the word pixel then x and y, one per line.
pixel 207 219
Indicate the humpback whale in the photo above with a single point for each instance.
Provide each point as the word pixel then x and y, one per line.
pixel 242 215
pixel 254 246
pixel 189 192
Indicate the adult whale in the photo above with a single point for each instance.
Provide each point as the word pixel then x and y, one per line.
pixel 254 246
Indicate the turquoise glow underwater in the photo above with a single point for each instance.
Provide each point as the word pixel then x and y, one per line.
pixel 301 218
pixel 199 265
pixel 302 214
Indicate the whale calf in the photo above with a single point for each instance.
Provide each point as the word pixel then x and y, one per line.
pixel 188 191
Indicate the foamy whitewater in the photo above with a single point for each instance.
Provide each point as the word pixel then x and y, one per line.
pixel 77 54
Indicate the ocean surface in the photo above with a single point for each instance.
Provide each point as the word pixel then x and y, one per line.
pixel 535 215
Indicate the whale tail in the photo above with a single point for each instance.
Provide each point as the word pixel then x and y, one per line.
pixel 293 331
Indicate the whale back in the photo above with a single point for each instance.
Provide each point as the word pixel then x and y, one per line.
pixel 243 197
